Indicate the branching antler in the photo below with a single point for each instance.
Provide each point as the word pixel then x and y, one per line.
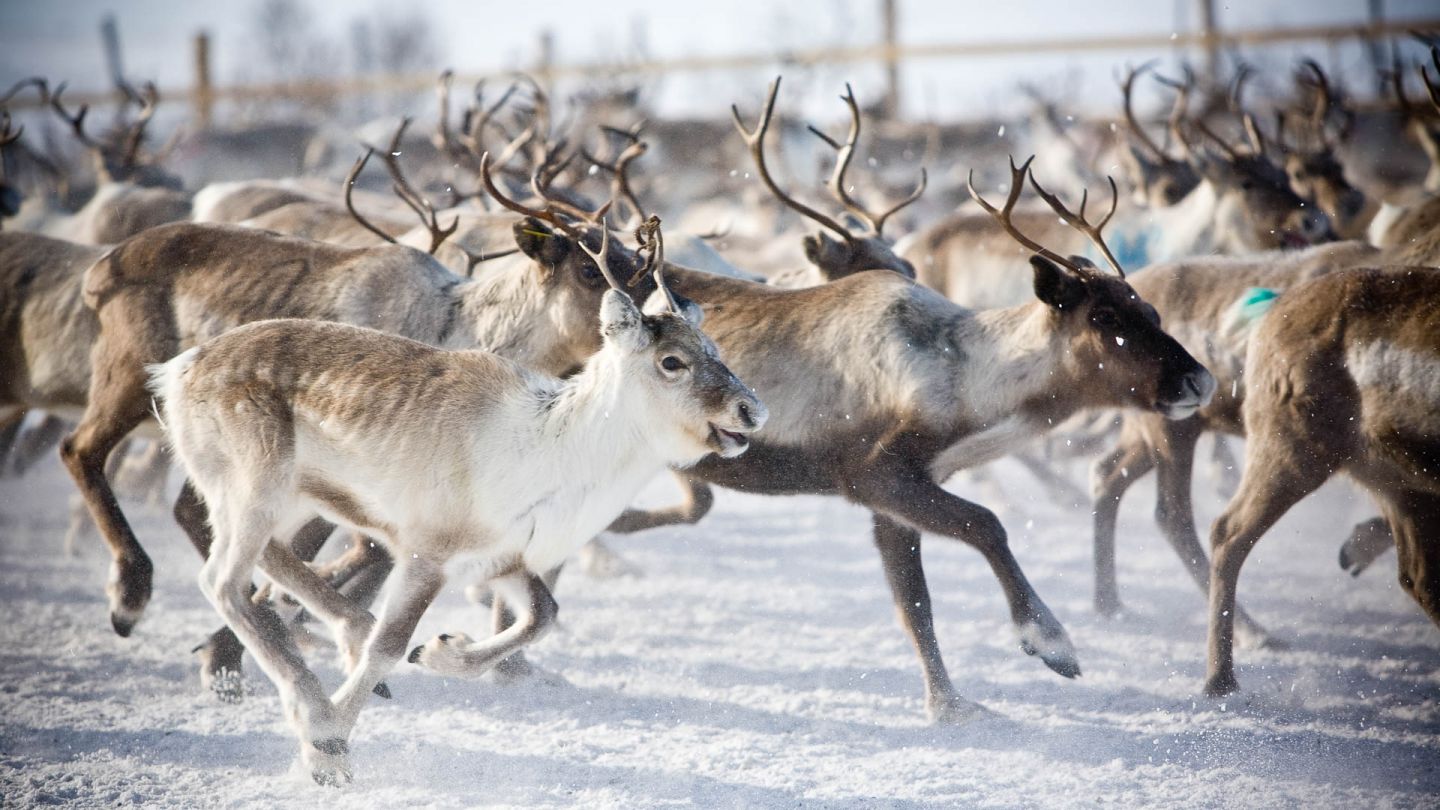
pixel 1127 89
pixel 1432 87
pixel 651 241
pixel 76 121
pixel 1077 221
pixel 1080 223
pixel 149 99
pixel 349 196
pixel 844 153
pixel 618 170
pixel 755 139
pixel 1002 215
pixel 38 83
pixel 412 198
pixel 1181 106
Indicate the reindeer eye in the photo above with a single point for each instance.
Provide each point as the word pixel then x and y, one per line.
pixel 1105 319
pixel 672 363
pixel 590 271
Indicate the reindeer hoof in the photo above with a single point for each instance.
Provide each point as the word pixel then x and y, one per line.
pixel 414 656
pixel 334 746
pixel 382 690
pixel 956 711
pixel 124 623
pixel 1221 684
pixel 1053 647
pixel 128 592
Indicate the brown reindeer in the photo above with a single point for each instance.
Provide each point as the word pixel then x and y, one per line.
pixel 879 389
pixel 1199 304
pixel 1343 375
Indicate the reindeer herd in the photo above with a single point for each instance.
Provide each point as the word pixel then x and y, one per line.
pixel 477 396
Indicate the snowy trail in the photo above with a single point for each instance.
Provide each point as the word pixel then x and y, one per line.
pixel 758 663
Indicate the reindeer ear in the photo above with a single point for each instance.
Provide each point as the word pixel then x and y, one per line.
pixel 1054 286
pixel 689 310
pixel 825 253
pixel 540 242
pixel 622 322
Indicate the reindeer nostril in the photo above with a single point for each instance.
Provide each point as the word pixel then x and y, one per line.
pixel 745 416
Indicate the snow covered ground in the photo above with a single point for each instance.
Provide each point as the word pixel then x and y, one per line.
pixel 757 663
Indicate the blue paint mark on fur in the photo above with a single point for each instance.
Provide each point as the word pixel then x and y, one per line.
pixel 1131 249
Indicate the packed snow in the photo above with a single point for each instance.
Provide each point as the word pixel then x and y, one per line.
pixel 756 662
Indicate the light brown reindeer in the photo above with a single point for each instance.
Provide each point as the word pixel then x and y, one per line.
pixel 1343 375
pixel 280 419
pixel 173 286
pixel 879 389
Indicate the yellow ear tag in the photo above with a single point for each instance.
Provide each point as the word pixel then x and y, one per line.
pixel 540 234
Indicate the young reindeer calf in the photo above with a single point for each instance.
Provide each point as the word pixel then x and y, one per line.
pixel 444 456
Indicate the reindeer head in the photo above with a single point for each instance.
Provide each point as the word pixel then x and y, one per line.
pixel 10 196
pixel 855 251
pixel 1113 337
pixel 571 254
pixel 699 406
pixel 118 159
pixel 1158 179
pixel 1309 160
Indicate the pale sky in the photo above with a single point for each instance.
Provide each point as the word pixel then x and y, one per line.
pixel 59 39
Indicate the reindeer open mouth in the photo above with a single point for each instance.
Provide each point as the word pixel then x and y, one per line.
pixel 727 443
pixel 1293 240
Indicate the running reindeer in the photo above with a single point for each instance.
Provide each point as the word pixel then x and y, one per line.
pixel 880 389
pixel 445 456
pixel 1343 375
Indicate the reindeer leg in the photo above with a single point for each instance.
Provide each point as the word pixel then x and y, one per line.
pixel 907 495
pixel 1415 519
pixel 1224 466
pixel 33 444
pixel 240 542
pixel 1175 512
pixel 1367 541
pixel 118 402
pixel 416 584
pixel 699 497
pixel 460 656
pixel 1111 478
pixel 516 667
pixel 10 425
pixel 1280 469
pixel 220 654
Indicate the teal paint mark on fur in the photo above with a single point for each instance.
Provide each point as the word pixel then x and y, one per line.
pixel 1255 303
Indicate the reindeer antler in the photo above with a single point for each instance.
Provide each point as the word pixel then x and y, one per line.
pixel 1079 222
pixel 1127 90
pixel 349 196
pixel 76 121
pixel 844 153
pixel 1002 215
pixel 38 82
pixel 412 198
pixel 1432 87
pixel 651 240
pixel 620 187
pixel 149 99
pixel 755 139
pixel 1181 106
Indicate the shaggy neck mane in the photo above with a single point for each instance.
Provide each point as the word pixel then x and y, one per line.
pixel 1186 228
pixel 1015 356
pixel 499 310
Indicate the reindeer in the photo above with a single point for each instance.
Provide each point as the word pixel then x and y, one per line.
pixel 134 192
pixel 176 285
pixel 853 252
pixel 1243 204
pixel 1203 303
pixel 1340 377
pixel 879 389
pixel 1311 163
pixel 278 420
pixel 1158 179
